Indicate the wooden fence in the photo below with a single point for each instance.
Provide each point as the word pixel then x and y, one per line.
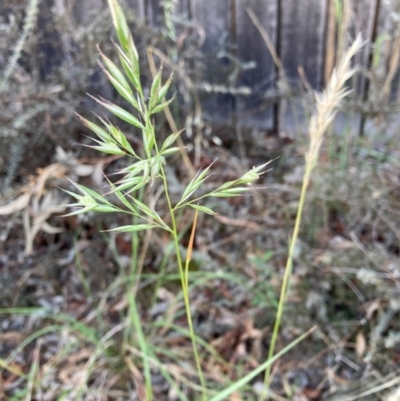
pixel 307 36
pixel 292 45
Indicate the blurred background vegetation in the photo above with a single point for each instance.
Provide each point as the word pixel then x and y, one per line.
pixel 244 76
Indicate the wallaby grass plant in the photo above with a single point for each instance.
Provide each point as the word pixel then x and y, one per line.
pixel 145 171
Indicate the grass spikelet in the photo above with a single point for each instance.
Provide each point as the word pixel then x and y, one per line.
pixel 328 102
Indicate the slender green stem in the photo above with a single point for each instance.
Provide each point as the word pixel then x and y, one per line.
pixel 287 275
pixel 137 324
pixel 135 247
pixel 175 236
pixel 166 256
pixel 185 291
pixel 184 286
pixel 134 315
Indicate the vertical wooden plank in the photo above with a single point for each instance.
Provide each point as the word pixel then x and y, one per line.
pixel 387 48
pixel 352 17
pixel 215 18
pixel 183 8
pixel 363 22
pixel 251 47
pixel 385 67
pixel 302 38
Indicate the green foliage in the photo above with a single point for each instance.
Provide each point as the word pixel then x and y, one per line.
pixel 147 170
pixel 143 171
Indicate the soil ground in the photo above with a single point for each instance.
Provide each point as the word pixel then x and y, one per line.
pixel 58 302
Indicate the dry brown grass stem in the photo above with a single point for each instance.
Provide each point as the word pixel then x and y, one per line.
pixel 393 66
pixel 330 42
pixel 267 39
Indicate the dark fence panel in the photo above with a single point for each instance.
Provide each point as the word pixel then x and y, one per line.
pixel 241 82
pixel 256 108
pixel 216 18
